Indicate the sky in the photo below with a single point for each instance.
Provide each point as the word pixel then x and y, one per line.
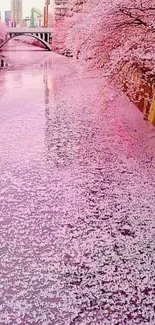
pixel 27 5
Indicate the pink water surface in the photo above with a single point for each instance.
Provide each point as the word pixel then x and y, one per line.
pixel 77 200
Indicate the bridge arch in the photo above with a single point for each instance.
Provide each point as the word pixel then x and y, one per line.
pixel 47 46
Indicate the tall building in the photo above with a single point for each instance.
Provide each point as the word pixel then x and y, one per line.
pixel 47 3
pixel 7 17
pixel 60 9
pixel 16 12
pixel 51 13
pixel 55 10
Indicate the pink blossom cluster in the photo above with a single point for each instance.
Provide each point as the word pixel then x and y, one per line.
pixel 113 32
pixel 60 30
pixel 2 32
pixel 109 33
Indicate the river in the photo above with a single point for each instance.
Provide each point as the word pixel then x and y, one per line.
pixel 77 202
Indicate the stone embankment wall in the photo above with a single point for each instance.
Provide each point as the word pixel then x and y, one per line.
pixel 32 41
pixel 139 85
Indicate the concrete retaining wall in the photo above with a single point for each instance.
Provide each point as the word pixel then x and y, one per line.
pixel 139 85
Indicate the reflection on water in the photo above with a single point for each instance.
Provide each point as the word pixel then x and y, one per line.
pixel 47 91
pixel 14 80
pixel 47 63
pixel 3 63
pixel 58 126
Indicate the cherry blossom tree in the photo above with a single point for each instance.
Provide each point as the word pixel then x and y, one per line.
pixel 117 37
pixel 63 26
pixel 2 32
pixel 60 31
pixel 114 36
pixel 76 6
pixel 112 33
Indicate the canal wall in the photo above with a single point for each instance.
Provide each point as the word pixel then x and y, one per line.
pixel 139 85
pixel 55 49
pixel 32 42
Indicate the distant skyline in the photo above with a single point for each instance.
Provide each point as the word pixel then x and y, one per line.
pixel 5 5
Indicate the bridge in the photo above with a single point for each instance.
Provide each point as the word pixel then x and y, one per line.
pixel 41 34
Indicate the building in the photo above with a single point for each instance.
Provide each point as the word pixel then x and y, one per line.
pixel 60 9
pixel 47 3
pixel 54 10
pixel 36 18
pixel 7 17
pixel 51 13
pixel 11 23
pixel 16 12
pixel 26 22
